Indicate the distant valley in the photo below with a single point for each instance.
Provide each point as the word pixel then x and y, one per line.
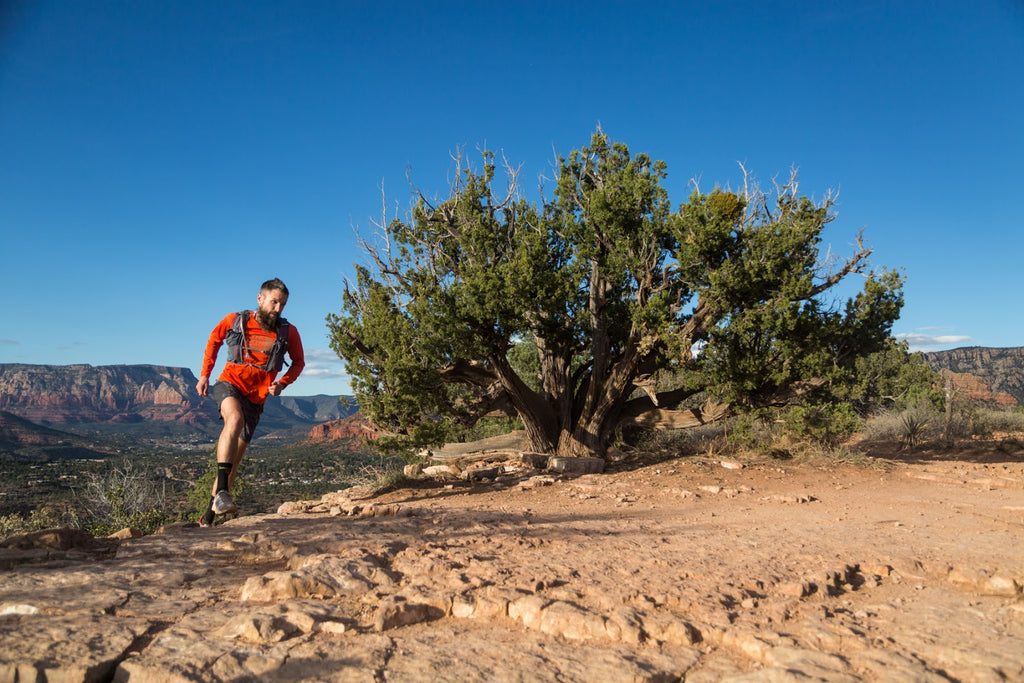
pixel 74 411
pixel 29 441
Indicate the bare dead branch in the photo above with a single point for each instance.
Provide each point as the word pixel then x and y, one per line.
pixel 647 384
pixel 469 372
pixel 662 418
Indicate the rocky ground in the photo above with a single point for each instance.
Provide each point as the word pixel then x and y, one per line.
pixel 695 569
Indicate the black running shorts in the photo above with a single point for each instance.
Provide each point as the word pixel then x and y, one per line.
pixel 251 411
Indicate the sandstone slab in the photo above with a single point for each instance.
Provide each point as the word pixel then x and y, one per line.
pixel 81 647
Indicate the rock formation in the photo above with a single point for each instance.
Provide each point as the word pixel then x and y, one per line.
pixel 1001 370
pixel 975 389
pixel 144 398
pixel 69 394
pixel 25 439
pixel 351 427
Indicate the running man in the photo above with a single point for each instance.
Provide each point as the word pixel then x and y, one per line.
pixel 257 342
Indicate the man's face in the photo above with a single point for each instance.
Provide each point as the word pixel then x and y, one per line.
pixel 271 303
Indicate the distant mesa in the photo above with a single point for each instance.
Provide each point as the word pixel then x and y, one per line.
pixel 994 376
pixel 351 427
pixel 146 401
pixel 69 394
pixel 28 441
pixel 974 388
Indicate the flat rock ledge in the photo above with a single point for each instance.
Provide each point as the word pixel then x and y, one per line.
pixel 352 589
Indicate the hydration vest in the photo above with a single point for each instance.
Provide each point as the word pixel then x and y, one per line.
pixel 237 346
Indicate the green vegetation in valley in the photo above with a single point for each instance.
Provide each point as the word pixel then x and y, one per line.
pixel 150 488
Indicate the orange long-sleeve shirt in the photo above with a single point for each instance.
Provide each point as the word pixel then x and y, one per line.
pixel 252 381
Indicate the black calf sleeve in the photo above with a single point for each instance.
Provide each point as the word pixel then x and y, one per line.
pixel 223 473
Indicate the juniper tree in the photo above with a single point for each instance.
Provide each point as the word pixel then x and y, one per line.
pixel 601 306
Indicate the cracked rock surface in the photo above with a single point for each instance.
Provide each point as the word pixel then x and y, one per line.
pixel 683 570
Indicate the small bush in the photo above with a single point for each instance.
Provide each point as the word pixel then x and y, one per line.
pixel 884 426
pixel 123 497
pixel 985 422
pixel 750 430
pixel 920 423
pixel 914 424
pixel 674 443
pixel 827 424
pixel 46 517
pixel 387 474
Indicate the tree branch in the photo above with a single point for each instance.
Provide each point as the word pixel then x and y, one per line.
pixel 465 371
pixel 662 418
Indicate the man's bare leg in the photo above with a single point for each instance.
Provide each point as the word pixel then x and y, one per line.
pixel 230 448
pixel 230 445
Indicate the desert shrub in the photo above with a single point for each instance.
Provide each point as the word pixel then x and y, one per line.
pixel 123 497
pixel 750 430
pixel 198 496
pixel 45 517
pixel 914 425
pixel 883 426
pixel 925 421
pixel 387 474
pixel 986 422
pixel 922 421
pixel 959 422
pixel 825 423
pixel 675 443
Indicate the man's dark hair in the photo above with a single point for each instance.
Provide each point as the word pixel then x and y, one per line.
pixel 274 284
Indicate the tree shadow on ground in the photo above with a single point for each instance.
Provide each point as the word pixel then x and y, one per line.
pixel 983 451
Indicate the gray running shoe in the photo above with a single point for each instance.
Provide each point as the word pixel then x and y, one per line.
pixel 223 504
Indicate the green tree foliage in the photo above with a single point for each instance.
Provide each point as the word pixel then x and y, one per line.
pixel 892 378
pixel 601 306
pixel 823 422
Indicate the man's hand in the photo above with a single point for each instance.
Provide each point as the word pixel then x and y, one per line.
pixel 203 386
pixel 276 389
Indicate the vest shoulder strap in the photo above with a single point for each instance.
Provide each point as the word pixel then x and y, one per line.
pixel 237 343
pixel 241 318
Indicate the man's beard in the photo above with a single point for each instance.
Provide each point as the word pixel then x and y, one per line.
pixel 268 321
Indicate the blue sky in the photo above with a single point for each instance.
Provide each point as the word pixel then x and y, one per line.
pixel 158 160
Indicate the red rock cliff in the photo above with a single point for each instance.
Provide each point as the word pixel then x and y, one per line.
pixel 351 427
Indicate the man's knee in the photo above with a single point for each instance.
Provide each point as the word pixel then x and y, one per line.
pixel 234 421
pixel 233 416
